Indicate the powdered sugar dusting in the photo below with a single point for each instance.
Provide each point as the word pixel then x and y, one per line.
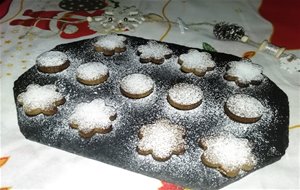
pixel 245 71
pixel 228 152
pixel 199 61
pixel 119 147
pixel 245 106
pixel 91 71
pixel 39 97
pixel 111 42
pixel 51 58
pixel 162 138
pixel 154 50
pixel 92 115
pixel 185 94
pixel 137 83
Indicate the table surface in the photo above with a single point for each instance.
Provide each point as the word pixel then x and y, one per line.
pixel 29 28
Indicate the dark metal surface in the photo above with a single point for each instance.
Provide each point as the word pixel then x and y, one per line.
pixel 269 136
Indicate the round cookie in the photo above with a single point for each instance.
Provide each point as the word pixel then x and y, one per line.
pixel 185 96
pixel 243 108
pixel 40 99
pixel 161 139
pixel 136 86
pixel 52 62
pixel 227 154
pixel 111 44
pixel 92 73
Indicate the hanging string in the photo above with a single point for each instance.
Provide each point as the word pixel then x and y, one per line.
pixel 168 21
pixel 294 127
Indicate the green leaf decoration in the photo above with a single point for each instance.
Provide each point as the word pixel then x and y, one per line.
pixel 208 47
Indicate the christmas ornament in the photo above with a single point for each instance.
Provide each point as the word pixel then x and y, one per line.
pixel 118 19
pixel 235 32
pixel 226 31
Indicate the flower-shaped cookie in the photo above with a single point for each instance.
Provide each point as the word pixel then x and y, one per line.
pixel 40 99
pixel 228 154
pixel 196 62
pixel 161 139
pixel 111 44
pixel 154 52
pixel 93 117
pixel 244 73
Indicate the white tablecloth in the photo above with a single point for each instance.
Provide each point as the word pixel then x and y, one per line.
pixel 35 166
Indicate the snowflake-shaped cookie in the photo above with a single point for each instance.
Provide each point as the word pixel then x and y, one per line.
pixel 111 44
pixel 196 62
pixel 93 117
pixel 161 139
pixel 154 52
pixel 228 154
pixel 244 73
pixel 40 99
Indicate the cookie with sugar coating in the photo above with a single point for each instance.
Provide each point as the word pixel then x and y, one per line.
pixel 136 86
pixel 92 117
pixel 52 62
pixel 228 154
pixel 40 100
pixel 161 139
pixel 111 44
pixel 244 73
pixel 196 62
pixel 92 73
pixel 154 52
pixel 185 96
pixel 244 108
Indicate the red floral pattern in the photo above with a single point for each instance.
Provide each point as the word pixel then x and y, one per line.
pixel 169 186
pixel 42 19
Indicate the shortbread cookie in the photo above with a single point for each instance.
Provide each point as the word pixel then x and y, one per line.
pixel 196 62
pixel 227 154
pixel 137 86
pixel 92 117
pixel 244 108
pixel 40 99
pixel 154 52
pixel 244 73
pixel 52 62
pixel 185 96
pixel 92 73
pixel 111 44
pixel 161 139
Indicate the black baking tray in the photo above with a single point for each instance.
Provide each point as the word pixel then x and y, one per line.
pixel 269 136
